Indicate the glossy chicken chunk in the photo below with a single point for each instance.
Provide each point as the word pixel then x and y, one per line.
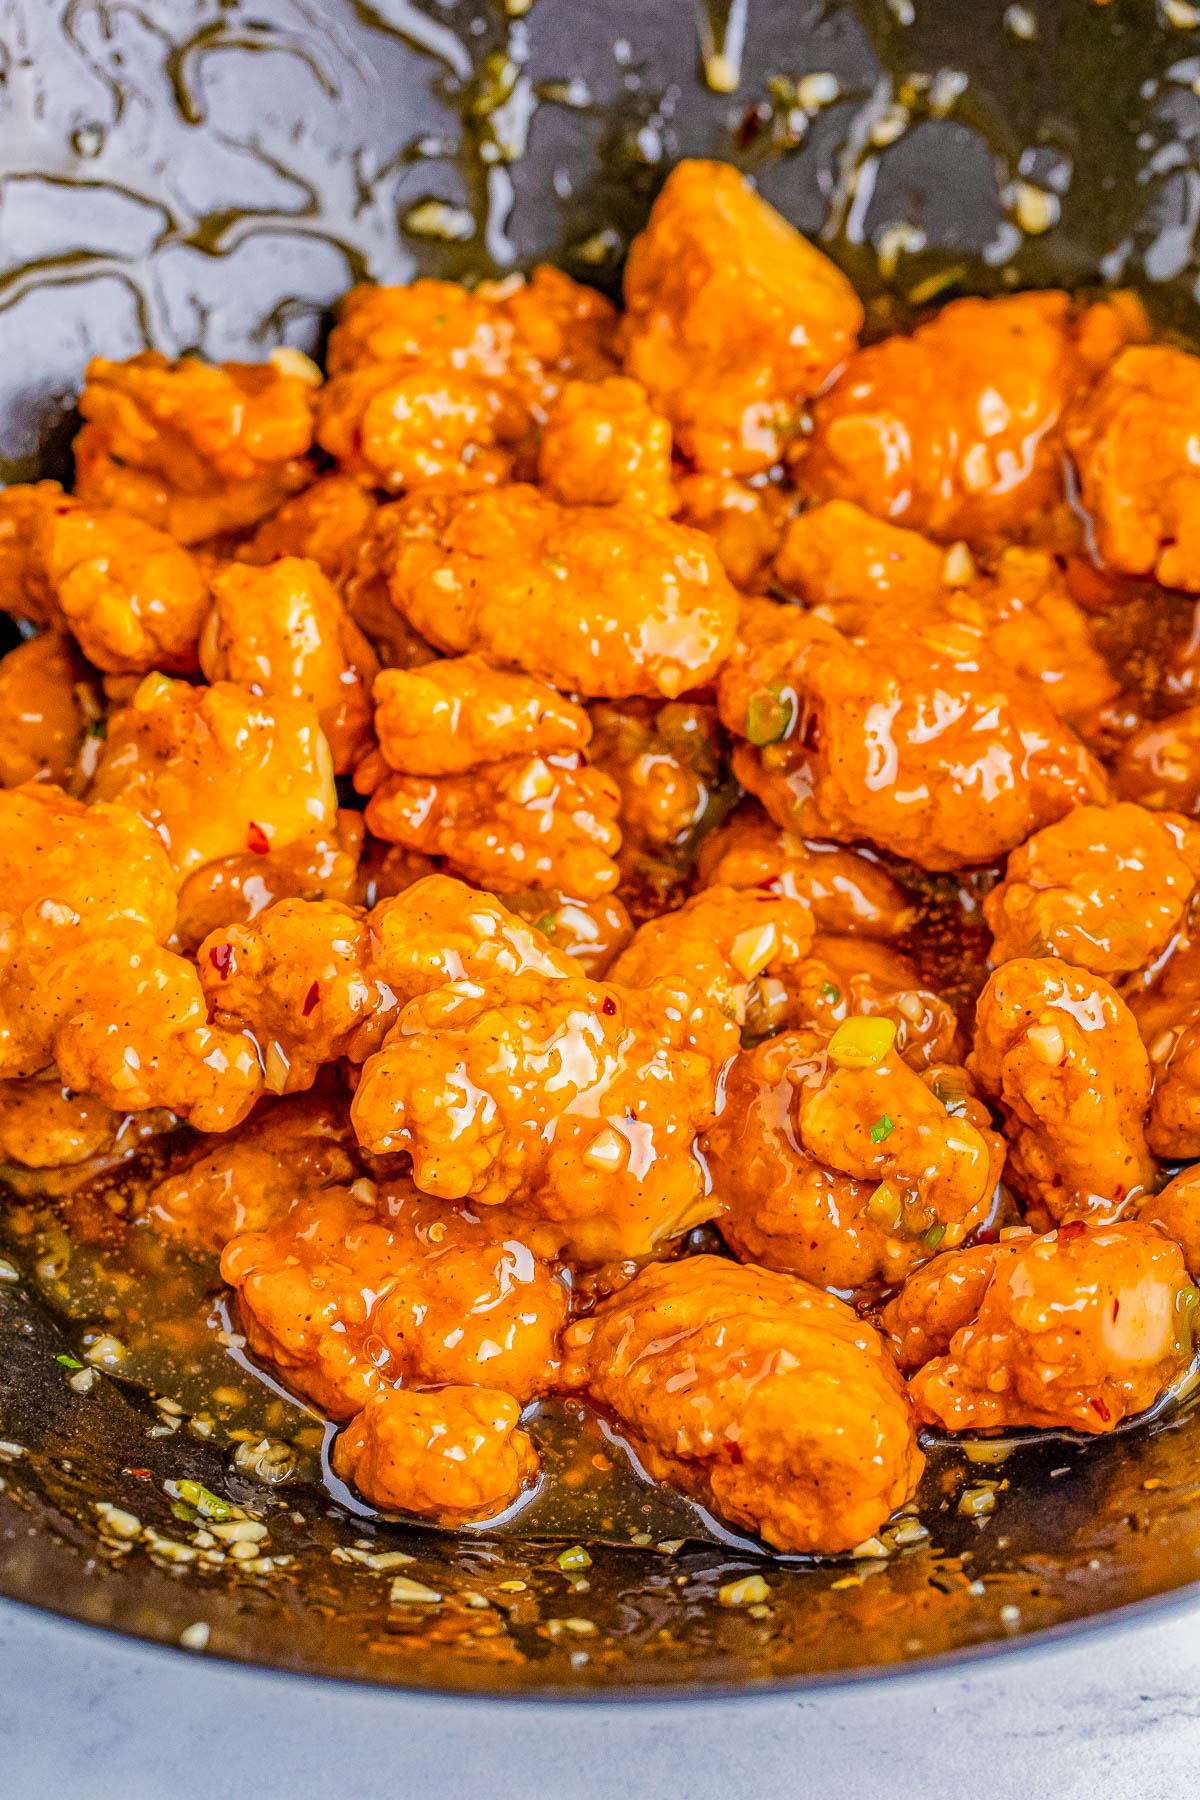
pixel 41 719
pixel 846 891
pixel 578 1102
pixel 594 599
pixel 1060 1051
pixel 1167 1010
pixel 451 1456
pixel 1159 764
pixel 843 978
pixel 764 1398
pixel 604 445
pixel 956 430
pixel 745 521
pixel 943 762
pixel 1176 1211
pixel 1133 443
pixel 193 449
pixel 850 1173
pixel 282 633
pixel 1105 888
pixel 459 713
pixel 1077 1330
pixel 215 771
pixel 668 762
pixel 325 523
pixel 43 1125
pixel 732 318
pixel 357 1289
pixel 734 944
pixel 591 932
pixel 235 889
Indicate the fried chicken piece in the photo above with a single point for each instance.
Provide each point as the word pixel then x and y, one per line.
pixel 23 588
pixel 850 1174
pixel 460 713
pixel 734 945
pixel 325 523
pixel 235 889
pixel 1040 632
pixel 1176 1210
pixel 603 444
pixel 533 821
pixel 43 1125
pixel 41 719
pixel 1167 1010
pixel 216 772
pixel 366 590
pixel 846 977
pixel 453 1456
pixel 745 522
pixel 591 932
pixel 1159 764
pixel 1106 888
pixel 578 1102
pixel 756 1393
pixel 404 425
pixel 1132 441
pixel 957 430
pixel 315 981
pixel 944 762
pixel 1060 1051
pixel 281 632
pixel 732 318
pixel 846 892
pixel 192 449
pixel 357 1289
pixel 592 599
pixel 246 1180
pixel 1073 1331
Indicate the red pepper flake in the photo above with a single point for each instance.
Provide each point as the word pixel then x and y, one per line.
pixel 142 1474
pixel 753 120
pixel 769 885
pixel 735 1450
pixel 311 998
pixel 1098 1406
pixel 257 840
pixel 220 956
pixel 609 1008
pixel 1075 1229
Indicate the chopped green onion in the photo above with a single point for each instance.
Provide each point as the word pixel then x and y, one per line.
pixel 185 1513
pixel 545 924
pixel 69 1362
pixel 934 1236
pixel 98 728
pixel 830 993
pixel 574 1558
pixel 210 1505
pixel 882 1128
pixel 770 715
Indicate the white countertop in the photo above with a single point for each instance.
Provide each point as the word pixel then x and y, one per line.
pixel 1111 1716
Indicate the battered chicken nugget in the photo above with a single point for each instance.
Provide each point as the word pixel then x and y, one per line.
pixel 1060 1051
pixel 846 892
pixel 732 318
pixel 734 945
pixel 944 762
pixel 404 425
pixel 579 1102
pixel 325 523
pixel 1105 888
pixel 235 889
pixel 844 977
pixel 247 1180
pixel 1167 1011
pixel 593 599
pixel 41 719
pixel 603 444
pixel 454 1456
pixel 356 1289
pixel 217 772
pixel 745 521
pixel 1132 441
pixel 540 821
pixel 459 713
pixel 761 1396
pixel 591 932
pixel 1159 764
pixel 192 449
pixel 281 632
pixel 850 1174
pixel 1076 1330
pixel 956 430
pixel 1176 1211
pixel 43 1125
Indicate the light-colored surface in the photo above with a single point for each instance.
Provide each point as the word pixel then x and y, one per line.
pixel 1111 1717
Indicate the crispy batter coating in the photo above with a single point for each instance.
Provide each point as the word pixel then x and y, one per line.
pixel 592 932
pixel 763 1397
pixel 1159 764
pixel 731 942
pixel 404 425
pixel 603 444
pixel 1040 632
pixel 281 632
pixel 1177 1212
pixel 324 523
pixel 849 1177
pixel 668 762
pixel 578 1101
pixel 533 821
pixel 846 977
pixel 1132 441
pixel 43 1125
pixel 459 713
pixel 247 1180
pixel 944 762
pixel 593 599
pixel 732 318
pixel 454 1455
pixel 216 771
pixel 357 1289
pixel 1078 1330
pixel 1059 1049
pixel 41 719
pixel 846 892
pixel 956 430
pixel 746 522
pixel 1106 888
pixel 1167 1010
pixel 23 588
pixel 193 449
pixel 235 889
pixel 315 981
